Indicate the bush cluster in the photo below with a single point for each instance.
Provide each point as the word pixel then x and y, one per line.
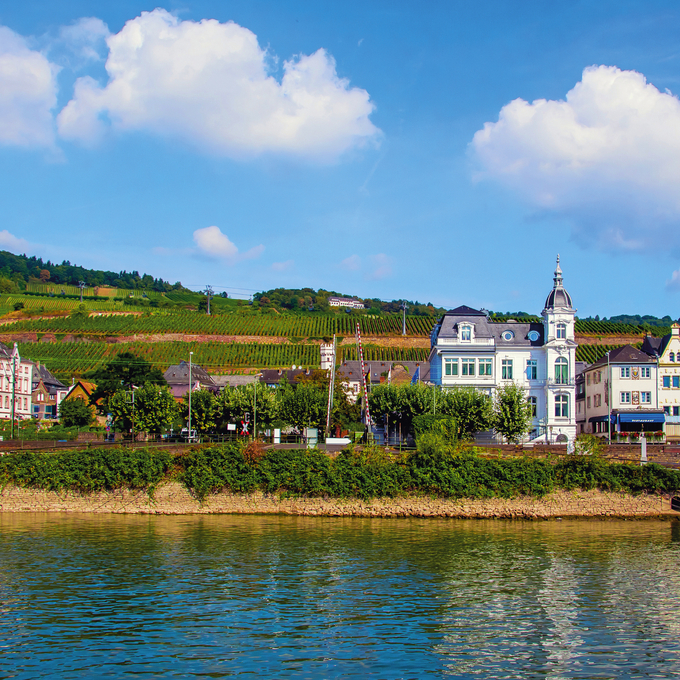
pixel 368 472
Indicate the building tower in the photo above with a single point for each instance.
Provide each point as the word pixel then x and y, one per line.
pixel 560 357
pixel 327 356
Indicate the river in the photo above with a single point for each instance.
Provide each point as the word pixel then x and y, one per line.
pixel 119 596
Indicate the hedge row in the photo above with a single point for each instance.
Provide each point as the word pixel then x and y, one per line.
pixel 364 474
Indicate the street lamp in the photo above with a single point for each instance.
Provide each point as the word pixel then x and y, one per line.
pixel 190 390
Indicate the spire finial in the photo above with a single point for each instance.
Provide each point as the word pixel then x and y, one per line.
pixel 558 273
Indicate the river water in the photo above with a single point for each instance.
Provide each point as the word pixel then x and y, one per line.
pixel 274 596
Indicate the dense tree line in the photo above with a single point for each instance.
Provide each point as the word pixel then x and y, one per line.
pixel 18 270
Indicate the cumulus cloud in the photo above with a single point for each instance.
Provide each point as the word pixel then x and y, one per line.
pixel 85 38
pixel 352 263
pixel 208 83
pixel 28 93
pixel 10 242
pixel 283 266
pixel 211 242
pixel 607 158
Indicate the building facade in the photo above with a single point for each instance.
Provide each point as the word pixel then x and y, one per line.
pixel 16 383
pixel 468 349
pixel 47 394
pixel 345 302
pixel 621 393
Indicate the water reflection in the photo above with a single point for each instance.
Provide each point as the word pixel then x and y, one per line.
pixel 84 596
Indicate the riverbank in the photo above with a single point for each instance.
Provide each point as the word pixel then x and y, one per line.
pixel 174 499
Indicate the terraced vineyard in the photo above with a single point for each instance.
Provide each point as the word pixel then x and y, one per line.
pixel 591 353
pixel 75 358
pixel 222 324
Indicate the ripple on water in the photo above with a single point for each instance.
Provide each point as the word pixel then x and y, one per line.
pixel 118 596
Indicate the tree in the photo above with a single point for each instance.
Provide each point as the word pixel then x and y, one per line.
pixel 303 405
pixel 471 408
pixel 203 410
pixel 154 409
pixel 344 412
pixel 124 371
pixel 233 403
pixel 44 275
pixel 511 412
pixel 76 413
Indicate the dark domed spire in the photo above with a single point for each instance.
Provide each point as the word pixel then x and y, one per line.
pixel 558 296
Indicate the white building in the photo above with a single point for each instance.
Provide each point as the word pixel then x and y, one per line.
pixel 16 382
pixel 467 349
pixel 345 302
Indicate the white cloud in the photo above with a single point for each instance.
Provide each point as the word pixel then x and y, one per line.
pixel 382 267
pixel 674 283
pixel 85 38
pixel 207 83
pixel 28 92
pixel 607 158
pixel 12 243
pixel 353 263
pixel 212 243
pixel 283 266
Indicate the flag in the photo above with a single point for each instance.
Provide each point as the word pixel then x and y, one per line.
pixel 416 376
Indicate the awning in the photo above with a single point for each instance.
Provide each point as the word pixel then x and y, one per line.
pixel 642 417
pixel 601 419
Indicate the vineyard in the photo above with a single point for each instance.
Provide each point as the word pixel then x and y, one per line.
pixel 70 359
pixel 591 353
pixel 221 324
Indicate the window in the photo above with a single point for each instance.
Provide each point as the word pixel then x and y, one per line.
pixel 561 371
pixel 625 397
pixel 561 406
pixel 646 372
pixel 625 371
pixel 466 334
pixel 667 381
pixel 450 366
pixel 485 367
pixel 533 403
pixel 599 376
pixel 676 381
pixel 506 369
pixel 588 378
pixel 25 403
pixel 671 356
pixel 646 397
pixel 587 402
pixel 667 410
pixel 533 336
pixel 561 331
pixel 532 369
pixel 6 402
pixel 40 397
pixel 507 335
pixel 468 366
pixel 597 400
pixel 676 410
pixel 578 406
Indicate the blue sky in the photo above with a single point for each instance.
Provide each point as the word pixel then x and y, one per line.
pixel 440 151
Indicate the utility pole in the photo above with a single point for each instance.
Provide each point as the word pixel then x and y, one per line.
pixel 81 285
pixel 209 293
pixel 191 354
pixel 255 411
pixel 404 306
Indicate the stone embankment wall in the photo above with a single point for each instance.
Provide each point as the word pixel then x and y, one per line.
pixel 174 499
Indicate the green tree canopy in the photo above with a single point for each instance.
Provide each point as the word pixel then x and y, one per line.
pixel 154 409
pixel 233 403
pixel 511 412
pixel 76 413
pixel 124 371
pixel 472 409
pixel 203 410
pixel 303 406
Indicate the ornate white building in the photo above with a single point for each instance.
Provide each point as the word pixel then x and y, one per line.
pixel 468 349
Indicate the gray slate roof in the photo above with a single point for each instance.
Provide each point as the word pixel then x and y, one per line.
pixel 625 355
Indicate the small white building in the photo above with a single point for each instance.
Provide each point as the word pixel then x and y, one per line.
pixel 345 302
pixel 468 349
pixel 16 383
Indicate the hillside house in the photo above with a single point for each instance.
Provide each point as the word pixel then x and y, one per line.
pixel 47 393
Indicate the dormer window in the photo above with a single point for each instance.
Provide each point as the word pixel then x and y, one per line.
pixel 561 331
pixel 672 357
pixel 466 333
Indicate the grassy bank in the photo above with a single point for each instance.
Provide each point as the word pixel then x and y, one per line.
pixel 371 473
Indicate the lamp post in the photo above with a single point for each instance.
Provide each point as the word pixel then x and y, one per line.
pixel 190 390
